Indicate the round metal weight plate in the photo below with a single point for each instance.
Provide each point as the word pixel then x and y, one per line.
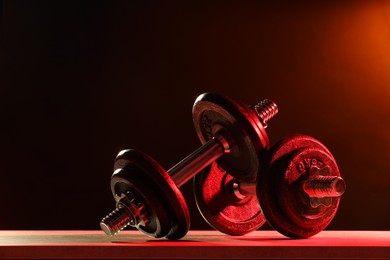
pixel 292 142
pixel 162 190
pixel 213 113
pixel 280 190
pixel 223 210
pixel 131 179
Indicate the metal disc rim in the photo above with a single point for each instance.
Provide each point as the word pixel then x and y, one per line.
pixel 266 182
pixel 134 182
pixel 163 180
pixel 318 224
pixel 241 113
pixel 233 227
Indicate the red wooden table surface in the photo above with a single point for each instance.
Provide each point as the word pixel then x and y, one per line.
pixel 196 245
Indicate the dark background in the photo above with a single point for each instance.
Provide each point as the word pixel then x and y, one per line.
pixel 81 80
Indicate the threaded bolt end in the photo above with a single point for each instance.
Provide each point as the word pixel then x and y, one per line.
pixel 116 221
pixel 266 110
pixel 324 186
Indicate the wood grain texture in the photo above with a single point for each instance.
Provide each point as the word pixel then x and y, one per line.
pixel 196 245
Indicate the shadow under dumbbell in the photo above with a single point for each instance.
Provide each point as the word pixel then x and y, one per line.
pixel 159 241
pixel 257 238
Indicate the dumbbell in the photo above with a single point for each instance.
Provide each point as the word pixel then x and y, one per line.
pixel 148 197
pixel 298 188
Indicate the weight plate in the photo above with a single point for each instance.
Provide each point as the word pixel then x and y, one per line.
pixel 165 192
pixel 280 189
pixel 297 141
pixel 212 113
pixel 133 180
pixel 223 210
